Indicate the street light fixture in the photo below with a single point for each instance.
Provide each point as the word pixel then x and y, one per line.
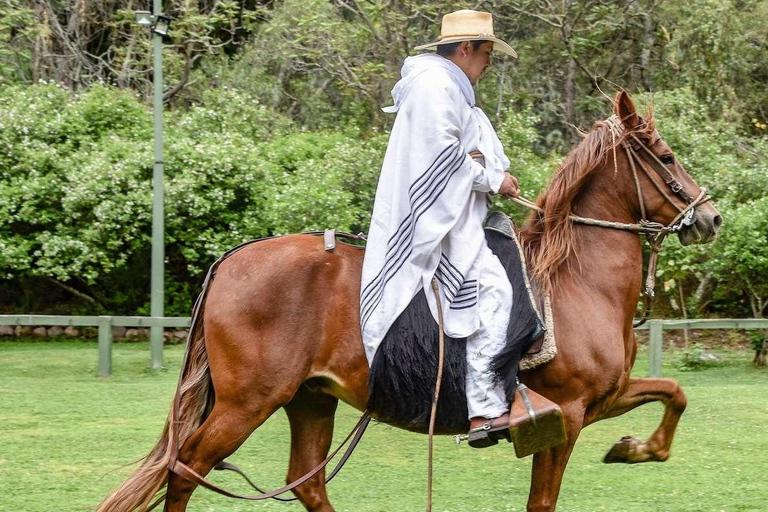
pixel 162 25
pixel 143 18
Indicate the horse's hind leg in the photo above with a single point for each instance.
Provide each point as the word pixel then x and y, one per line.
pixel 311 416
pixel 227 427
pixel 639 392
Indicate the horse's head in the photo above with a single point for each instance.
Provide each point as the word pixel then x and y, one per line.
pixel 624 172
pixel 666 193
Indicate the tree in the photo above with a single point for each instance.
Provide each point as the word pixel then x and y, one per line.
pixel 741 256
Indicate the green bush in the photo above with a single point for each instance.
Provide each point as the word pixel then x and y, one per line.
pixel 696 358
pixel 757 339
pixel 322 181
pixel 518 135
pixel 733 168
pixel 76 188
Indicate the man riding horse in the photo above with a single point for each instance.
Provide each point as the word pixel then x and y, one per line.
pixel 443 163
pixel 267 334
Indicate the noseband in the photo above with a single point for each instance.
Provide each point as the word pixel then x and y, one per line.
pixel 654 232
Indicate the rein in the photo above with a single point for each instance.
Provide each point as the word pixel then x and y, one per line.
pixel 654 232
pixel 184 471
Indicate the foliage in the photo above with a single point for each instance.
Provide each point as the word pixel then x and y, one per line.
pixel 322 181
pixel 323 63
pixel 733 168
pixel 757 339
pixel 75 188
pixel 741 256
pixel 518 134
pixel 730 165
pixel 716 48
pixel 90 42
pixel 273 125
pixel 50 148
pixel 697 358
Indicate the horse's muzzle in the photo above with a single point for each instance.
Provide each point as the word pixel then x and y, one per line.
pixel 708 222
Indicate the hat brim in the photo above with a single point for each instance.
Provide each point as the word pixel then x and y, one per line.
pixel 498 44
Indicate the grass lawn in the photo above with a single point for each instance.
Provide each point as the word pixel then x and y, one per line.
pixel 65 436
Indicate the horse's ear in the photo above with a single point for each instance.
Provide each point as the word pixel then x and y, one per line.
pixel 625 109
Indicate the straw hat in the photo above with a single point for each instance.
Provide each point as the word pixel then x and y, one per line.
pixel 467 25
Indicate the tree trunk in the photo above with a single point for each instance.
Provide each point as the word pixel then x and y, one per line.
pixel 683 308
pixel 499 103
pixel 40 46
pixel 570 77
pixel 702 290
pixel 645 54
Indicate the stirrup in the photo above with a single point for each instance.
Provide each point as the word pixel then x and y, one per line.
pixel 535 422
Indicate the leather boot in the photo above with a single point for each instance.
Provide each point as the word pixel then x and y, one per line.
pixel 484 432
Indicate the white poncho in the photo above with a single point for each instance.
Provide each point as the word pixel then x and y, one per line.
pixel 431 201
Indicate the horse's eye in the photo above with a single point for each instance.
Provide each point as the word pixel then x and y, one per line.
pixel 667 159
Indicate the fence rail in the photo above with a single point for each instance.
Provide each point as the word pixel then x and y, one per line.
pixel 105 324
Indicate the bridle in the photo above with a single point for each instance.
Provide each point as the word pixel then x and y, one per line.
pixel 654 232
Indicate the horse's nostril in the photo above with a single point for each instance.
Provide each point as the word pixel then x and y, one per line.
pixel 718 220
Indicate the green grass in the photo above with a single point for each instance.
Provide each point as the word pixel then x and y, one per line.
pixel 65 436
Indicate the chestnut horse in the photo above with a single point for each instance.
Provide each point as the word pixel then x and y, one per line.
pixel 279 327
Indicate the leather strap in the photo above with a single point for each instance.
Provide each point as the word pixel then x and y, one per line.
pixel 661 169
pixel 527 402
pixel 356 434
pixel 227 466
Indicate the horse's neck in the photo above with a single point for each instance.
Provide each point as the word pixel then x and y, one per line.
pixel 607 261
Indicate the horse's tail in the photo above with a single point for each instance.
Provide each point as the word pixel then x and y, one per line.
pixel 190 408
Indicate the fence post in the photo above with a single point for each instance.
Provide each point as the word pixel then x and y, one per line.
pixel 655 339
pixel 105 346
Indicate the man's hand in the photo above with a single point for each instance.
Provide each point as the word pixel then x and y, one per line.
pixel 509 187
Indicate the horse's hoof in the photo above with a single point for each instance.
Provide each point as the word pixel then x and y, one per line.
pixel 622 451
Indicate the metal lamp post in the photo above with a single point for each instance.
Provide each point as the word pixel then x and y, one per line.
pixel 159 25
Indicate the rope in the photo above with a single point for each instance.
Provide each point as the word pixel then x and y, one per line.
pixel 438 382
pixel 641 227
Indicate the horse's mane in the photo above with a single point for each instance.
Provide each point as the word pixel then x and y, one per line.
pixel 548 235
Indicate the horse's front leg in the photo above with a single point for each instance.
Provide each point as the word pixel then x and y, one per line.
pixel 641 391
pixel 549 465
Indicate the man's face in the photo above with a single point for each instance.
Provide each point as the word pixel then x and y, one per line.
pixel 475 62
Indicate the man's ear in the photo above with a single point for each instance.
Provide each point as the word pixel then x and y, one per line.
pixel 464 48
